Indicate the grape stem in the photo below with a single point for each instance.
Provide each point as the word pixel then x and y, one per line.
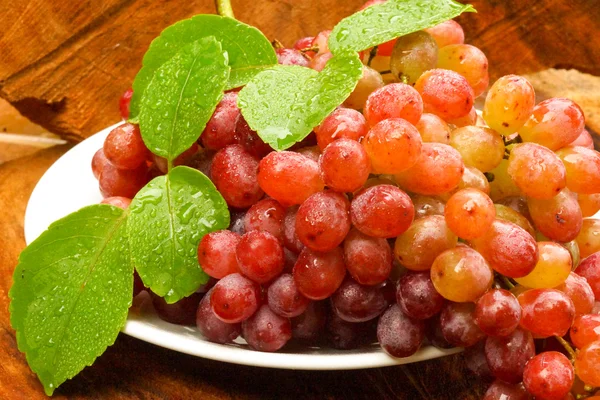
pixel 372 55
pixel 567 347
pixel 224 8
pixel 516 139
pixel 507 282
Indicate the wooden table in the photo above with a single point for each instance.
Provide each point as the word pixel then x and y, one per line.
pixel 43 77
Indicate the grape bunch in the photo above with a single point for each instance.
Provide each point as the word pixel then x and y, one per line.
pixel 405 218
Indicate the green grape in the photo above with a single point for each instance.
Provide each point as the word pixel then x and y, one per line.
pixel 413 54
pixel 479 147
pixel 468 61
pixel 509 104
pixel 552 269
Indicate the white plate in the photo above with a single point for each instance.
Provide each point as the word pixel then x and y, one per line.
pixel 69 185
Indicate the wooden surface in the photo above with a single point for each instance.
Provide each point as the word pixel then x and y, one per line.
pixel 67 75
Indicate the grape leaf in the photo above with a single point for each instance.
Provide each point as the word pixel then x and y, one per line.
pixel 386 21
pixel 71 292
pixel 168 217
pixel 284 103
pixel 182 96
pixel 249 51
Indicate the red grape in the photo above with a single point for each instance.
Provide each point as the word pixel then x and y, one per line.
pixel 284 298
pixel 399 335
pixel 290 238
pixel 182 312
pixel 458 325
pixel 580 292
pixel 583 169
pixel 368 259
pixel 476 362
pixel 309 325
pixel 445 93
pixel 317 274
pixel 99 162
pixel 508 355
pixel 433 129
pixel 289 177
pixel 260 256
pixel 549 376
pixel 234 173
pixel 382 211
pixel 117 201
pixel 211 327
pixel 589 268
pixel 558 218
pixel 354 302
pixel 235 298
pixel 537 171
pixel 249 139
pixel 291 57
pixel 546 312
pixel 469 213
pixel 267 215
pixel 216 253
pixel 124 147
pixel 393 146
pixel 341 123
pixel 396 100
pixel 585 330
pixel 345 335
pixel 500 390
pixel 447 33
pixel 345 165
pixel 220 129
pixel 468 61
pixel 427 205
pixel 417 296
pixel 266 331
pixel 497 313
pixel 586 364
pixel 124 102
pixel 122 182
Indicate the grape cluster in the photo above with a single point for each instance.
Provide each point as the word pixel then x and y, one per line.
pixel 404 218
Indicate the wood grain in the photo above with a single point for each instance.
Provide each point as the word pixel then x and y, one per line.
pixel 68 74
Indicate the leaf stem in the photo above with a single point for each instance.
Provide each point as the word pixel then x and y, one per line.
pixel 169 165
pixel 567 347
pixel 224 8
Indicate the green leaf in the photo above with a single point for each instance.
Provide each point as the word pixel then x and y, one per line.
pixel 168 217
pixel 182 96
pixel 383 22
pixel 249 51
pixel 72 289
pixel 284 103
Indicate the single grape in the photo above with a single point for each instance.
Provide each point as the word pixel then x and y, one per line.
pixel 479 147
pixel 433 331
pixel 398 334
pixel 345 165
pixel 553 123
pixel 291 57
pixel 549 376
pixel 368 259
pixel 323 220
pixel 585 330
pixel 445 93
pixel 341 123
pixel 546 312
pixel 508 248
pixel 266 215
pixel 117 201
pixel 461 274
pixel 537 171
pixel 220 129
pixel 320 41
pixel 309 325
pixel 502 185
pixel 458 325
pixel 289 177
pixel 235 298
pixel 558 218
pixel 589 204
pixel 476 362
pixel 497 312
pixel 508 355
pixel 418 247
pixel 122 182
pixel 317 274
pixel 468 61
pixel 469 213
pixel 586 364
pixel 447 33
pixel 216 253
pixel 249 139
pixel 382 211
pixel 508 104
pixel 584 140
pixel 580 292
pixel 393 146
pixel 417 297
pixel 290 238
pixel 284 298
pixel 266 331
pixel 370 81
pixel 182 312
pixel 319 61
pixel 234 173
pixel 433 129
pixel 211 327
pixel 437 171
pixel 396 100
pixel 589 268
pixel 552 269
pixel 99 162
pixel 412 55
pixel 260 256
pixel 427 205
pixel 354 302
pixel 124 102
pixel 124 147
pixel 472 178
pixel 583 169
